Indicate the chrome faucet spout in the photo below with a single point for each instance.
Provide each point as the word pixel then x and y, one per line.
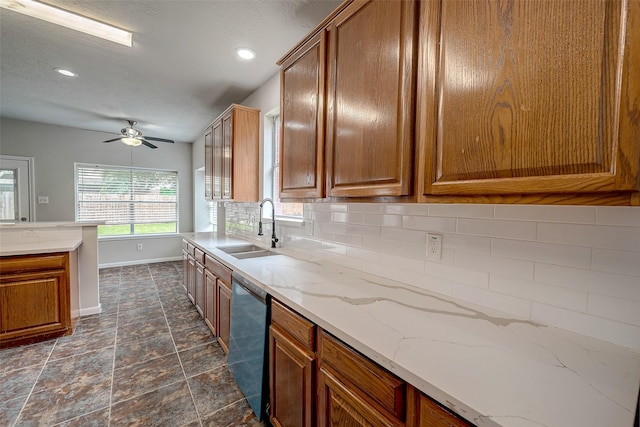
pixel 274 239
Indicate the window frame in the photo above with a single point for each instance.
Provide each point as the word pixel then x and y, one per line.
pixel 132 234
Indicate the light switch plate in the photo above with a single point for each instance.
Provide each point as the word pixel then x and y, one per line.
pixel 43 200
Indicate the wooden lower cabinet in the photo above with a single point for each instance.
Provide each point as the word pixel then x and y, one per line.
pixel 198 282
pixel 422 411
pixel 224 313
pixel 292 365
pixel 354 391
pixel 329 384
pixel 210 300
pixel 38 297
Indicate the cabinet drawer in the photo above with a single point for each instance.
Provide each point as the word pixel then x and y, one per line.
pixel 27 263
pixel 190 249
pixel 297 326
pixel 221 271
pixel 184 245
pixel 374 383
pixel 199 255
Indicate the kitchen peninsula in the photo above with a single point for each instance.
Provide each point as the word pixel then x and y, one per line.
pixel 490 368
pixel 54 263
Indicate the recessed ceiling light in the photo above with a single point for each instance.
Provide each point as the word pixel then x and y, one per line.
pixel 66 72
pixel 68 19
pixel 245 53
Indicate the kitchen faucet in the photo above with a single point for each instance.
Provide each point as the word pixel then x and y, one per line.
pixel 274 239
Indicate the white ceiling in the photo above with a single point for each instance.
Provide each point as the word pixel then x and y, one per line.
pixel 180 73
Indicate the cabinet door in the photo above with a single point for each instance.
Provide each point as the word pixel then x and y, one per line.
pixel 199 288
pixel 210 300
pixel 191 278
pixel 529 97
pixel 291 380
pixel 224 314
pixel 33 303
pixel 370 102
pixel 185 271
pixel 302 85
pixel 218 154
pixel 339 406
pixel 208 163
pixel 227 172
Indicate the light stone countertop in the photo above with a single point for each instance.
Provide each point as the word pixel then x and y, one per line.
pixel 31 248
pixel 491 368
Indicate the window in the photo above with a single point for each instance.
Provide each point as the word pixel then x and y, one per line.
pixel 131 201
pixel 283 209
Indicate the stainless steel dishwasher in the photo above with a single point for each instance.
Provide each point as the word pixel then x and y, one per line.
pixel 248 342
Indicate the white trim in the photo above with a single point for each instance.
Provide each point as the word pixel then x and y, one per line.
pixel 139 261
pixel 88 311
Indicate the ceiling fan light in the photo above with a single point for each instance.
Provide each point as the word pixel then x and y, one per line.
pixel 133 142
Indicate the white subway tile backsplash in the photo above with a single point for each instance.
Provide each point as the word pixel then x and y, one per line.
pixel 461 211
pixel 565 214
pixel 618 215
pixel 475 278
pixel 348 239
pixel 620 262
pixel 573 256
pixel 498 228
pixel 595 236
pixel 507 304
pixel 381 245
pixel 494 264
pixel 403 263
pixel 388 233
pixel 624 311
pixel 548 294
pixel 383 220
pixel 445 225
pixel 332 227
pixel 363 230
pixel 615 285
pixel 406 209
pixel 415 249
pixel 466 243
pixel 372 208
pixel 596 327
pixel 347 217
pixel 363 254
pixel 572 267
pixel 426 282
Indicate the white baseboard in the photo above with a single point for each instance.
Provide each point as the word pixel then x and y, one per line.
pixel 91 310
pixel 139 261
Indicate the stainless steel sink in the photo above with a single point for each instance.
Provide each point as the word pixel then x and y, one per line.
pixel 246 251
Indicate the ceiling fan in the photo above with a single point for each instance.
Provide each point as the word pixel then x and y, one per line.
pixel 134 137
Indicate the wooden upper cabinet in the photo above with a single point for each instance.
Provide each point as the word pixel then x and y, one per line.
pixel 208 163
pixel 370 102
pixel 302 87
pixel 526 97
pixel 216 178
pixel 235 154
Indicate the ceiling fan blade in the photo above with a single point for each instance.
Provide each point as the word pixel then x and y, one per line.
pixel 148 144
pixel 114 139
pixel 152 138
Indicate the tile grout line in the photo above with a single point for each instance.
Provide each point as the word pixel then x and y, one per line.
pixel 34 383
pixel 193 400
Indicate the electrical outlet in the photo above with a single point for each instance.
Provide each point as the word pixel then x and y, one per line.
pixel 434 246
pixel 139 246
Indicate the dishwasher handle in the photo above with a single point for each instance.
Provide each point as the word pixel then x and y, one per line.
pixel 253 289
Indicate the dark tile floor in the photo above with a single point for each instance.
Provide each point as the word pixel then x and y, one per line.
pixel 147 360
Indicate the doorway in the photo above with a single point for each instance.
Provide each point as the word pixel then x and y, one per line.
pixel 16 189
